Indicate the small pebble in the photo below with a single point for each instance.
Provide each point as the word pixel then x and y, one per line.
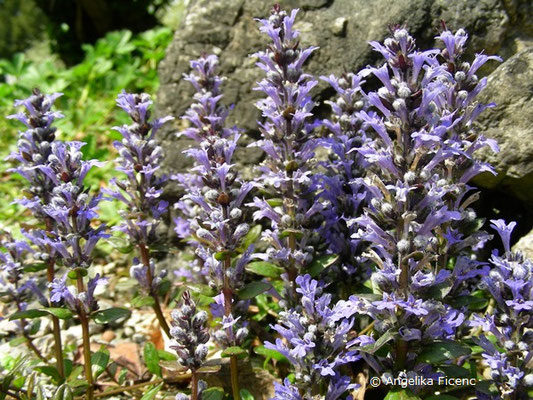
pixel 339 26
pixel 138 338
pixel 108 336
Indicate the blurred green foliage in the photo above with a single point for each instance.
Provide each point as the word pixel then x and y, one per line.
pixel 20 23
pixel 118 61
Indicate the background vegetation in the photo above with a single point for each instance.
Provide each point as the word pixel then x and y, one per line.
pixel 119 59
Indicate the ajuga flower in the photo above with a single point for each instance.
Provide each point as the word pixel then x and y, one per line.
pixel 219 225
pixel 287 141
pixel 214 186
pixel 72 298
pixel 342 195
pixel 509 356
pixel 190 335
pixel 71 207
pixel 35 145
pixel 419 221
pixel 315 342
pixel 15 287
pixel 139 158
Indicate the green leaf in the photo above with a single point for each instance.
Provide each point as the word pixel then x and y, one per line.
pixel 401 394
pixel 122 376
pixel 99 361
pixel 17 341
pixel 252 289
pixel 246 395
pixel 275 202
pixel 321 263
pixel 214 393
pixel 209 369
pixel 442 350
pixel 63 392
pixel 206 290
pixel 35 267
pixel 27 314
pixel 73 273
pixel 120 244
pixel 298 234
pixel 166 356
pixel 73 376
pixel 164 287
pixel 142 301
pixel 61 313
pixel 110 315
pixel 149 395
pixel 222 255
pixel 39 393
pixel 268 353
pixel 251 237
pixel 52 372
pixel 441 290
pixel 67 367
pixel 31 384
pixel 151 359
pixel 77 383
pixel 233 351
pixel 382 340
pixel 474 303
pixel 454 371
pixel 264 268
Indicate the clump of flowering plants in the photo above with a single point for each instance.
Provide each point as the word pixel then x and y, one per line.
pixel 369 255
pixel 218 227
pixel 419 220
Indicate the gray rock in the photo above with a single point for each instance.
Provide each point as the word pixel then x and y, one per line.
pixel 510 86
pixel 342 29
pixel 525 245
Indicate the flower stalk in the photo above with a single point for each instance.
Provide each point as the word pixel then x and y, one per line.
pixel 139 159
pixel 84 320
pixel 34 149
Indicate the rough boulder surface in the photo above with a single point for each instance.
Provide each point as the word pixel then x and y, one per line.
pixel 342 30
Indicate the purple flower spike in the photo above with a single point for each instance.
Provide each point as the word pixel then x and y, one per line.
pixel 510 282
pixel 16 288
pixel 34 144
pixel 71 208
pixel 303 329
pixel 139 159
pixel 287 141
pixel 341 190
pixel 419 156
pixel 74 300
pixel 212 212
pixel 190 334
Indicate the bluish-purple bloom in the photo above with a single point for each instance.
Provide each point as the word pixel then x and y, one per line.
pixel 16 288
pixel 190 333
pixel 510 283
pixel 288 143
pixel 217 223
pixel 342 194
pixel 419 163
pixel 316 342
pixel 35 145
pixel 139 159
